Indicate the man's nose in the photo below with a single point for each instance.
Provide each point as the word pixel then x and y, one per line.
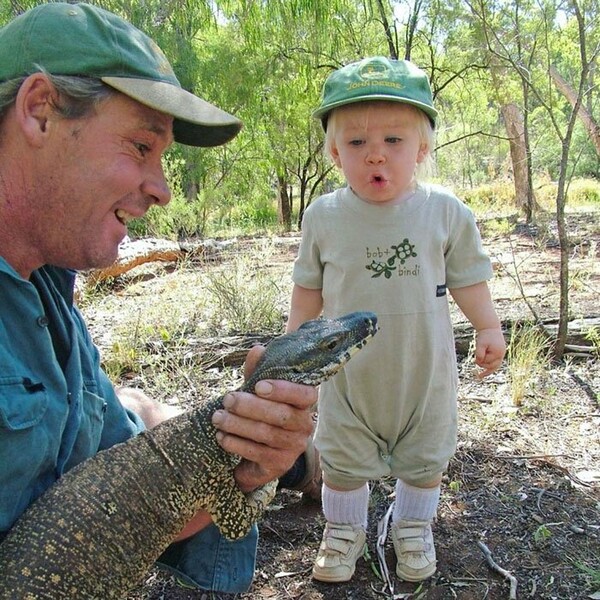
pixel 155 185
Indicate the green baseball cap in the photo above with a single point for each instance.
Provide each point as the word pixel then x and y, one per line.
pixel 88 41
pixel 377 78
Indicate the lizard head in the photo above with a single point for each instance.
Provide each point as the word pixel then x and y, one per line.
pixel 316 350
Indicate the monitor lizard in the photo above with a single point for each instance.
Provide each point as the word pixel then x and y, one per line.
pixel 97 531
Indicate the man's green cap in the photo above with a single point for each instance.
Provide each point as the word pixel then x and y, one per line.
pixel 377 78
pixel 88 41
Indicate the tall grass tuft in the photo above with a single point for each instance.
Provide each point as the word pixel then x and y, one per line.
pixel 246 296
pixel 528 358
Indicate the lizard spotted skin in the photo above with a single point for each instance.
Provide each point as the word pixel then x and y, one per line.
pixel 96 532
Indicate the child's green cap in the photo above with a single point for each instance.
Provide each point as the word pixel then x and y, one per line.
pixel 87 41
pixel 377 78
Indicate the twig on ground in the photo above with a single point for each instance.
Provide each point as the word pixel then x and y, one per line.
pixel 382 527
pixel 388 584
pixel 544 459
pixel 265 525
pixel 532 456
pixel 539 500
pixel 576 529
pixel 496 567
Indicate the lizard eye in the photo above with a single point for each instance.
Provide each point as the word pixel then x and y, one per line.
pixel 333 344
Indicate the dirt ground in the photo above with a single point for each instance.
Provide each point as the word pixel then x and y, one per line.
pixel 524 483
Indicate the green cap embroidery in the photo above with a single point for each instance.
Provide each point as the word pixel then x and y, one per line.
pixel 377 78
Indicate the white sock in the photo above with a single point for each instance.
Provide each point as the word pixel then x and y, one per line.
pixel 413 503
pixel 347 507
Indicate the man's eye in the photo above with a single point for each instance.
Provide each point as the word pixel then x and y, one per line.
pixel 143 149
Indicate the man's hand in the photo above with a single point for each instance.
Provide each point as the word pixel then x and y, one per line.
pixel 268 429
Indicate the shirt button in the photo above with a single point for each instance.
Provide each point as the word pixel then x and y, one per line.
pixel 43 321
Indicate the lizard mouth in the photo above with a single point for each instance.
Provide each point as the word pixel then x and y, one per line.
pixel 366 324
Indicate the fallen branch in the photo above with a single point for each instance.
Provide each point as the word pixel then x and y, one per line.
pixel 133 253
pixel 496 567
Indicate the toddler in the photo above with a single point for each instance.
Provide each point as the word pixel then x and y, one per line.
pixel 390 244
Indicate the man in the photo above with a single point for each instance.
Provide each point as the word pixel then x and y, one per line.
pixel 88 105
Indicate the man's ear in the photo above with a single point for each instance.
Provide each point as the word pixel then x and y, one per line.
pixel 34 107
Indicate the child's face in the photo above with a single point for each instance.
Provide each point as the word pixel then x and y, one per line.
pixel 378 146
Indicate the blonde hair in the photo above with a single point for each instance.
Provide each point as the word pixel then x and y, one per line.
pixel 422 122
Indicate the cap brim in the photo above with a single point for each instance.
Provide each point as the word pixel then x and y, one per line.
pixel 197 122
pixel 323 111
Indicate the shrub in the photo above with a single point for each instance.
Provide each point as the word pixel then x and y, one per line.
pixel 496 197
pixel 582 193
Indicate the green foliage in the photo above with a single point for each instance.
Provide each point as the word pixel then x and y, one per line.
pixel 125 356
pixel 227 212
pixel 180 219
pixel 593 573
pixel 593 335
pixel 266 62
pixel 454 486
pixel 584 192
pixel 260 214
pixel 581 193
pixel 541 535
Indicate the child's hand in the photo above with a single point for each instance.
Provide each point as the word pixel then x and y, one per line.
pixel 490 348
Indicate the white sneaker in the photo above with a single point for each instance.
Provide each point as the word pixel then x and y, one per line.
pixel 340 549
pixel 415 552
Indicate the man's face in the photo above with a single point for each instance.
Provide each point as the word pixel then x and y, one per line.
pixel 95 174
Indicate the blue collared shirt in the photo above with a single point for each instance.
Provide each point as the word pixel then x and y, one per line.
pixel 57 406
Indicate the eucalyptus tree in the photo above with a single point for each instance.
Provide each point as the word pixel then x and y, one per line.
pixel 301 41
pixel 580 17
pixel 297 44
pixel 566 38
pixel 503 29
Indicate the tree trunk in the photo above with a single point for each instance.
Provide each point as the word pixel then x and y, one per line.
pixel 563 310
pixel 531 206
pixel 515 125
pixel 513 121
pixel 284 206
pixel 586 117
pixel 411 28
pixel 191 191
pixel 392 46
